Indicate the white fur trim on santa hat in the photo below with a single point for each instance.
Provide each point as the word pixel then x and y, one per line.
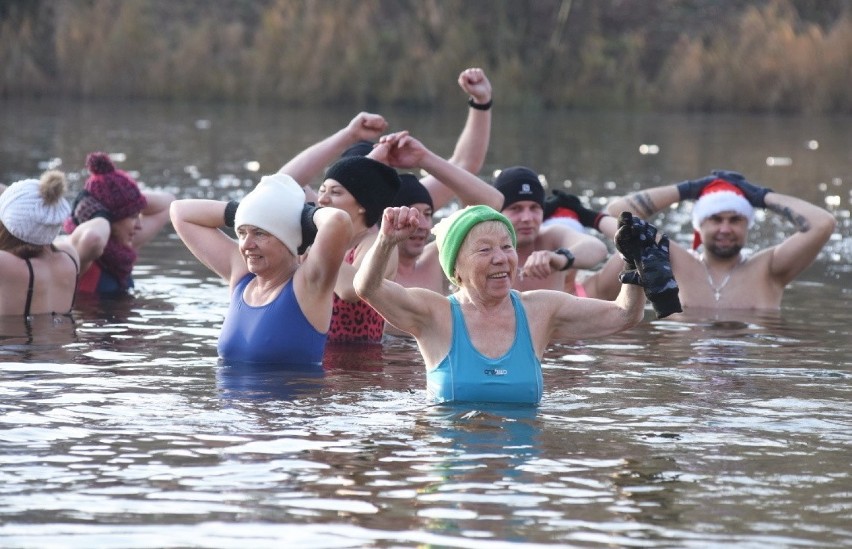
pixel 569 222
pixel 26 216
pixel 716 202
pixel 275 205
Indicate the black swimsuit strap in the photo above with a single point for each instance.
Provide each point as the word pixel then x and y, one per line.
pixel 76 279
pixel 29 289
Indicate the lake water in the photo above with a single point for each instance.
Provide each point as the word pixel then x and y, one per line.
pixel 722 429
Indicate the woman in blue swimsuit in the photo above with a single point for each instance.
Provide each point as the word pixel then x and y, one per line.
pixel 485 342
pixel 280 307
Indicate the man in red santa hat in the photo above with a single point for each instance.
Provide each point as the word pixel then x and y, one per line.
pixel 715 273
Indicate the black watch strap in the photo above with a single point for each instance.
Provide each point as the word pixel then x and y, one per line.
pixel 568 255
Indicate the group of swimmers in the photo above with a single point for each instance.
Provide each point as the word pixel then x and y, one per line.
pixel 353 260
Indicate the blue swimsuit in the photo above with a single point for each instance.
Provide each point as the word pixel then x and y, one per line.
pixel 277 332
pixel 467 375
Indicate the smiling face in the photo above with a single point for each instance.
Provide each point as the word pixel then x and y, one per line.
pixel 263 253
pixel 333 194
pixel 526 216
pixel 124 230
pixel 724 234
pixel 413 246
pixel 487 261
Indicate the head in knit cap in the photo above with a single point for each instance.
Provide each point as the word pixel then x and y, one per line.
pixel 519 183
pixel 717 197
pixel 32 211
pixel 372 184
pixel 411 191
pixel 275 206
pixel 451 232
pixel 114 189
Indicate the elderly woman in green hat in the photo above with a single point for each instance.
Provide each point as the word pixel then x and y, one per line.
pixel 485 342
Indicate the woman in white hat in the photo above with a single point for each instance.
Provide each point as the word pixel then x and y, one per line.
pixel 280 307
pixel 36 276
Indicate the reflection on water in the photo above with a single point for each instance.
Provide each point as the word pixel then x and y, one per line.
pixel 122 429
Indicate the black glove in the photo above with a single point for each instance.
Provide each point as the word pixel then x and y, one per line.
pixel 655 272
pixel 755 195
pixel 231 213
pixel 561 199
pixel 647 263
pixel 691 189
pixel 309 228
pixel 632 235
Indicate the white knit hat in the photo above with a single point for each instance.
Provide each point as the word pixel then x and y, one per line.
pixel 717 197
pixel 275 205
pixel 28 215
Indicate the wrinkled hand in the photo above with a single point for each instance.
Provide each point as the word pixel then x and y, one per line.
pixel 692 188
pixel 399 223
pixel 755 194
pixel 367 126
pixel 403 150
pixel 538 264
pixel 474 83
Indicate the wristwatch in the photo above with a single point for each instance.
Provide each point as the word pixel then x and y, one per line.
pixel 568 255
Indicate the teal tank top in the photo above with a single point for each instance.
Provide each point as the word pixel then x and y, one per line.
pixel 466 375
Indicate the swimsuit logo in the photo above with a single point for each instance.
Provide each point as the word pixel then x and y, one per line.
pixel 493 372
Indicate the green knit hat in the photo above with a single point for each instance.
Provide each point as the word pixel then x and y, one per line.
pixel 452 230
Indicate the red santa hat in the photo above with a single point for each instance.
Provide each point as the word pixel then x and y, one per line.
pixel 566 217
pixel 717 197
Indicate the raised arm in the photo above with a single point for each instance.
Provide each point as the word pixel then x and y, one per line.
pixel 472 145
pixel 401 150
pixel 310 163
pixel 90 240
pixel 154 216
pixel 197 224
pixel 409 309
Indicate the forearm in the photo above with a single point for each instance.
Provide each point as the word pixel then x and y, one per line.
pixel 201 212
pixel 804 216
pixel 310 163
pixel 158 202
pixel 469 188
pixel 371 273
pixel 631 301
pixel 645 203
pixel 472 146
pixel 588 253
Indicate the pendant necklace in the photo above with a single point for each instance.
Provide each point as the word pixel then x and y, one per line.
pixel 717 290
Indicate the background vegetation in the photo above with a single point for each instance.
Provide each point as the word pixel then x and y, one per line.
pixel 707 55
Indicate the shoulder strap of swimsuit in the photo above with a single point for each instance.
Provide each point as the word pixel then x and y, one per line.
pixel 76 269
pixel 29 288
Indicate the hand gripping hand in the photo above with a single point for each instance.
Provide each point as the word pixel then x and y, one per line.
pixel 755 194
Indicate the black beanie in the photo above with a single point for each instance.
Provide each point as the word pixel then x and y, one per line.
pixel 361 148
pixel 411 191
pixel 519 183
pixel 372 183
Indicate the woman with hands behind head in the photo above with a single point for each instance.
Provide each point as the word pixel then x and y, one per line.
pixel 36 276
pixel 485 342
pixel 111 219
pixel 280 308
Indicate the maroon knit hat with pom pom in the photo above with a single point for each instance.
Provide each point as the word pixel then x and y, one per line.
pixel 115 189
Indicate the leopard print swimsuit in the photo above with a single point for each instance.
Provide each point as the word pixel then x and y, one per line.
pixel 354 322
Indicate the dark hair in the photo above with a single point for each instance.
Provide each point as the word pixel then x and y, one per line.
pixel 15 246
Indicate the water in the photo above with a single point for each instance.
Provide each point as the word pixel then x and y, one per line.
pixel 121 430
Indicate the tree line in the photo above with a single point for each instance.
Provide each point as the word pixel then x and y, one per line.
pixel 681 55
